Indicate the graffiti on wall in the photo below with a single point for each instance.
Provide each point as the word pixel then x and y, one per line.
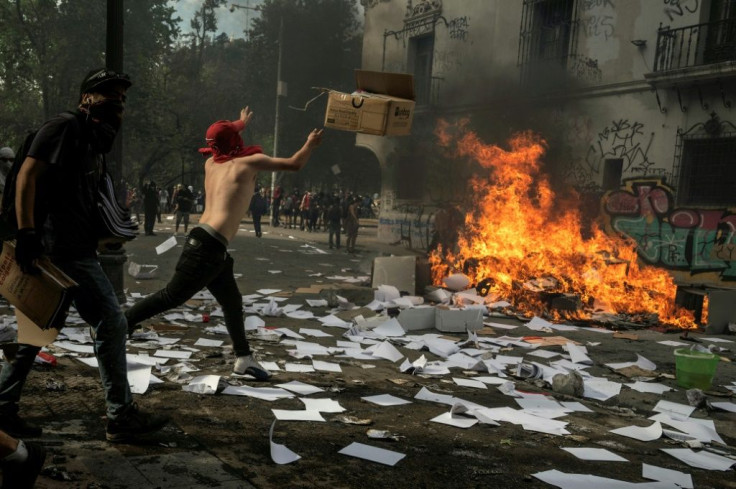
pixel 597 19
pixel 678 238
pixel 622 139
pixel 586 69
pixel 409 224
pixel 678 8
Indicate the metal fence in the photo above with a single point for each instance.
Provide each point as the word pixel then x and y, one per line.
pixel 695 45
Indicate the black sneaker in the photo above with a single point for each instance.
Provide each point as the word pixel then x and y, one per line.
pixel 18 427
pixel 134 422
pixel 22 475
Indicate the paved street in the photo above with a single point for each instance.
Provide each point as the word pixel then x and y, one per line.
pixel 223 440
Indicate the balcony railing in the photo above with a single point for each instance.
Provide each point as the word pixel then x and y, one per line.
pixel 695 45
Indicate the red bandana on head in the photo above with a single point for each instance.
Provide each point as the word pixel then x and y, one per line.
pixel 224 142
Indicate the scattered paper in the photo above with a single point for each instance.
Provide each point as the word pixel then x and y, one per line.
pixel 701 460
pixel 386 400
pixel 596 454
pixel 297 415
pixel 374 454
pixel 166 245
pixel 279 453
pixel 646 433
pixel 204 384
pixel 208 342
pixel 660 474
pixel 322 405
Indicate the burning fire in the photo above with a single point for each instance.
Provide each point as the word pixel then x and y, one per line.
pixel 520 233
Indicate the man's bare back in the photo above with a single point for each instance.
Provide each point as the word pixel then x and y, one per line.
pixel 228 189
pixel 229 185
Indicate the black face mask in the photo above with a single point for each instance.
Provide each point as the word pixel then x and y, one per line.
pixel 104 122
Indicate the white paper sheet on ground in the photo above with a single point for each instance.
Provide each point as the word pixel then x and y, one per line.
pixel 139 377
pixel 500 325
pixel 374 454
pixel 317 333
pixel 297 415
pixel 386 293
pixel 640 362
pixel 146 359
pixel 69 346
pixel 310 348
pixel 166 245
pixel 166 341
pixel 586 481
pixel 672 343
pixel 425 394
pixel 673 409
pixel 300 314
pixel 386 350
pixel 219 329
pixel 576 406
pixel 458 422
pixel 489 380
pixel 321 366
pixel 322 405
pixel 172 354
pixel 476 384
pixel 204 295
pixel 466 362
pixel 596 454
pixel 641 433
pixel 317 302
pixel 538 324
pixel 386 400
pixel 703 430
pixel 204 384
pixel 390 328
pixel 542 406
pixel 280 454
pixel 702 460
pixel 268 291
pixel 298 367
pixel 208 342
pixel 726 406
pixel 77 335
pixel 283 331
pixel 265 393
pixel 300 388
pixel 650 387
pixel 655 473
pixel 543 353
pixel 577 354
pixel 600 389
pixel 334 321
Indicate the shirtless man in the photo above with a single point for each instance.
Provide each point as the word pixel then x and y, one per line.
pixel 229 180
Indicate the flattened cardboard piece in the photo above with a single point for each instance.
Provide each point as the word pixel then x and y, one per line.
pixel 30 334
pixel 458 320
pixel 417 318
pixel 43 297
pixel 398 271
pixel 142 272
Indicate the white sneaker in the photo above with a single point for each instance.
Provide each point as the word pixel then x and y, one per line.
pixel 249 365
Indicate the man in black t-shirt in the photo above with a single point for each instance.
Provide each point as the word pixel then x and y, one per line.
pixel 184 202
pixel 56 194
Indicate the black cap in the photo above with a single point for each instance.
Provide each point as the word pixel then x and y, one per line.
pixel 99 77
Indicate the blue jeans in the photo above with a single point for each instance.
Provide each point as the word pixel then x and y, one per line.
pixel 204 262
pixel 97 304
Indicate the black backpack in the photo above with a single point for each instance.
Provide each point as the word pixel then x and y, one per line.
pixel 8 219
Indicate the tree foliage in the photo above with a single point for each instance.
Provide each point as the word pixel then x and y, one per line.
pixel 184 81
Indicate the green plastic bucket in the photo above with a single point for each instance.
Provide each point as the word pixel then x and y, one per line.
pixel 695 369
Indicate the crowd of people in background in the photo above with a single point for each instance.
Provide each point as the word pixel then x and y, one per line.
pixel 336 213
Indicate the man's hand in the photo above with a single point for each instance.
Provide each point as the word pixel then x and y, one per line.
pixel 315 138
pixel 245 115
pixel 28 248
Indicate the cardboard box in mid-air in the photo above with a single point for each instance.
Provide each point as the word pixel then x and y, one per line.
pixel 383 104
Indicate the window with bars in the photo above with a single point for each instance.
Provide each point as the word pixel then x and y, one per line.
pixel 708 172
pixel 421 53
pixel 547 36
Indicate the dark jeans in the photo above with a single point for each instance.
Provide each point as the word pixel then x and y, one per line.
pixel 334 228
pixel 149 220
pixel 96 302
pixel 182 216
pixel 257 223
pixel 204 262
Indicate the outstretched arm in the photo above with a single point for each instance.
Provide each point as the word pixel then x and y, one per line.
pixel 295 162
pixel 245 115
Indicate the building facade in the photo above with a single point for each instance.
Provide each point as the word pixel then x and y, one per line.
pixel 634 97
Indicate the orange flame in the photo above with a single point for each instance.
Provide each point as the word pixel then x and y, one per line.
pixel 520 231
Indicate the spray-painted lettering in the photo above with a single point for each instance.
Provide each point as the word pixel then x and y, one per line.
pixel 591 4
pixel 691 239
pixel 599 26
pixel 622 139
pixel 678 8
pixel 459 28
